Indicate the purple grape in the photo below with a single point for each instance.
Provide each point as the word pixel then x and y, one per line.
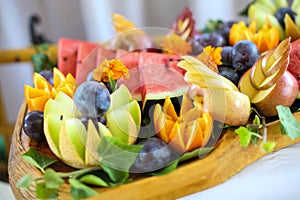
pixel 280 15
pixel 212 39
pixel 92 99
pixel 229 73
pixel 33 125
pixel 226 55
pixel 224 30
pixel 155 154
pixel 244 55
pixel 48 75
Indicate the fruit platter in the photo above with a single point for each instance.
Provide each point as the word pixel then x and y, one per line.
pixel 152 106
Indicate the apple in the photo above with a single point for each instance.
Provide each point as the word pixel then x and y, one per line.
pixel 294 64
pixel 284 93
pixel 268 83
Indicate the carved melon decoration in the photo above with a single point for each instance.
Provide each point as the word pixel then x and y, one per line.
pixel 187 131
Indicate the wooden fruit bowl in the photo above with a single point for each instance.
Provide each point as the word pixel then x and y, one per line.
pixel 226 160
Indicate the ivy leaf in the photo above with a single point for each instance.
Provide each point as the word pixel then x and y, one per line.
pixel 25 181
pixel 196 153
pixel 80 190
pixel 245 136
pixel 115 154
pixel 93 180
pixel 168 169
pixel 268 146
pixel 42 192
pixel 288 124
pixel 115 175
pixel 37 159
pixel 52 179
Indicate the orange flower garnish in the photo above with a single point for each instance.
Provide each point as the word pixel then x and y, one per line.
pixel 215 54
pixel 110 70
pixel 265 38
pixel 174 44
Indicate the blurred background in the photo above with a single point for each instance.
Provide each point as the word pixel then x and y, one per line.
pixel 82 19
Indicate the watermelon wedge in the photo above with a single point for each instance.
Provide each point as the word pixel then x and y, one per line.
pixel 159 80
pixel 84 50
pixel 130 59
pixel 67 55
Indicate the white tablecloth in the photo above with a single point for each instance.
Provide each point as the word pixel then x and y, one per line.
pixel 275 176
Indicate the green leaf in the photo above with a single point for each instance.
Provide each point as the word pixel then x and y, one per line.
pixel 80 190
pixel 168 169
pixel 288 123
pixel 115 175
pixel 37 159
pixel 245 136
pixel 115 154
pixel 25 181
pixel 195 153
pixel 42 192
pixel 93 180
pixel 268 146
pixel 256 120
pixel 52 179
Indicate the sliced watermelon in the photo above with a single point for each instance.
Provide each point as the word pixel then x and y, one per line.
pixel 159 80
pixel 67 55
pixel 84 49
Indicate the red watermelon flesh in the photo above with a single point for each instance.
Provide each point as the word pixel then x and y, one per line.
pixel 294 64
pixel 129 58
pixel 97 55
pixel 67 55
pixel 84 49
pixel 158 80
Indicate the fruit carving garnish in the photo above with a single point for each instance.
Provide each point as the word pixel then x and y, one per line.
pixel 265 38
pixel 184 25
pixel 37 96
pixel 224 101
pixel 268 83
pixel 189 130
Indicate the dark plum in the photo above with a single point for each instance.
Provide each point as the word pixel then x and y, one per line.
pixel 212 39
pixel 224 30
pixel 226 55
pixel 33 125
pixel 280 15
pixel 48 75
pixel 92 99
pixel 155 154
pixel 244 55
pixel 229 73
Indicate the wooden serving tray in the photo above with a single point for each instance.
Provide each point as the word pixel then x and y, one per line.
pixel 226 160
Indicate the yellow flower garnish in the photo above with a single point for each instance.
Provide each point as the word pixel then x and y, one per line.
pixel 110 69
pixel 174 44
pixel 265 38
pixel 122 24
